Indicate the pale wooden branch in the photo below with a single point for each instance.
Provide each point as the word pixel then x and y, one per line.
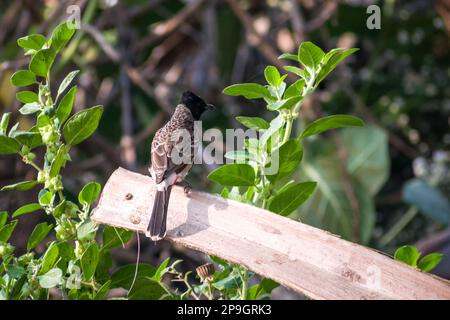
pixel 298 256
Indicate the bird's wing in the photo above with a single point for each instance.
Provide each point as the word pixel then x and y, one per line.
pixel 162 147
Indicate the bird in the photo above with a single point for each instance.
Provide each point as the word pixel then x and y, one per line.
pixel 166 169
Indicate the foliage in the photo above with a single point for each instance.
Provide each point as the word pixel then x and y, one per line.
pixel 249 177
pixel 272 190
pixel 71 263
pixel 410 255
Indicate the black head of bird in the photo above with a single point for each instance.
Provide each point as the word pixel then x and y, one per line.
pixel 195 104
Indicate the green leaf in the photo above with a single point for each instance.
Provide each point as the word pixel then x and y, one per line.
pixel 285 103
pixel 13 130
pixel 39 233
pixel 23 78
pixel 291 198
pixel 265 287
pixel 27 96
pixel 8 145
pixel 15 271
pixel 31 138
pixel 289 156
pixel 272 76
pixel 240 156
pixel 254 123
pixel 430 201
pixel 66 104
pixel 288 56
pixel 430 261
pixel 331 60
pixel 87 231
pixel 225 193
pixel 61 208
pixel 4 123
pixel 89 193
pixel 45 197
pixel 41 62
pixel 115 237
pixel 146 289
pixel 236 174
pixel 248 90
pixel 59 161
pixel 275 125
pixel 310 55
pixel 50 258
pixel 123 277
pixel 407 254
pixel 16 293
pixel 161 270
pixel 66 251
pixel 81 125
pixel 20 186
pixel 66 82
pixel 33 41
pixel 300 72
pixel 232 281
pixel 3 218
pixel 51 279
pixel 28 208
pixel 331 122
pixel 294 89
pixel 102 293
pixel 60 36
pixel 30 108
pixel 89 261
pixel 7 230
pixel 42 120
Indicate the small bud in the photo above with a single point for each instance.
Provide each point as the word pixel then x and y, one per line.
pixel 31 156
pixel 78 249
pixel 26 258
pixel 41 177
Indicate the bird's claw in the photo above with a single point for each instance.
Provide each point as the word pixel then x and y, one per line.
pixel 187 189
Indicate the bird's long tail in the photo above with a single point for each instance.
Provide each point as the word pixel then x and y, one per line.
pixel 156 229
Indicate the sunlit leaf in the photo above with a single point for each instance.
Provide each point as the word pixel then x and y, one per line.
pixel 331 122
pixel 236 174
pixel 82 124
pixel 291 198
pixel 20 186
pixel 248 90
pixel 23 78
pixel 407 254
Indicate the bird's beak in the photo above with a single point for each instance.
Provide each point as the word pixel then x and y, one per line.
pixel 210 107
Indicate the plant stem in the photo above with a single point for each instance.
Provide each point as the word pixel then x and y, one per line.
pixel 35 166
pixel 211 296
pixel 31 163
pixel 244 278
pixel 287 133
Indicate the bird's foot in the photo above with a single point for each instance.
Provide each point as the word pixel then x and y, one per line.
pixel 187 189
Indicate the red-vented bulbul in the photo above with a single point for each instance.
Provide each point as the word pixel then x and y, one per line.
pixel 165 171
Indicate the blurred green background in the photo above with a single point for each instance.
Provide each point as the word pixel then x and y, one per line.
pixel 384 185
